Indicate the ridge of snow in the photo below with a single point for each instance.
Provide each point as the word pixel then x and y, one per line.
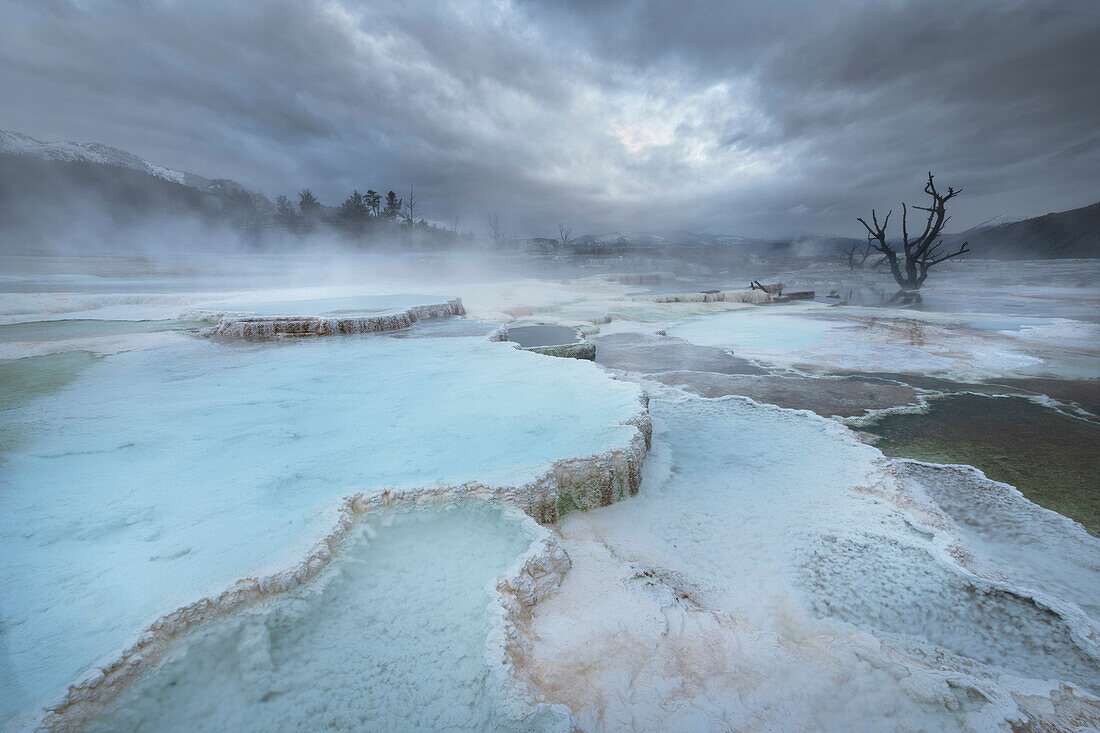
pixel 999 221
pixel 17 143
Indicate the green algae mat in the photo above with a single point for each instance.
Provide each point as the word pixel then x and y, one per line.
pixel 1052 458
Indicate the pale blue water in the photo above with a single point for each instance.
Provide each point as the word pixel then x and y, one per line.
pixel 391 637
pixel 347 306
pixel 162 475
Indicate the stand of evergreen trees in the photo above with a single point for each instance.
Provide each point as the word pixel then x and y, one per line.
pixel 123 198
pixel 363 217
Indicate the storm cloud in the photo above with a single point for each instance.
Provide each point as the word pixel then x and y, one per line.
pixel 762 119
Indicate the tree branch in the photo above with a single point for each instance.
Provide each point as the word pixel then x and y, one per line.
pixel 962 250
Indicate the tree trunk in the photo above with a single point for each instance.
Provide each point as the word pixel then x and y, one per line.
pixel 918 253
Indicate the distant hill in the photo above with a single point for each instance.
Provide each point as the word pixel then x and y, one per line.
pixel 65 196
pixel 47 188
pixel 1065 234
pixel 16 143
pixel 46 205
pixel 55 192
pixel 1061 235
pixel 617 243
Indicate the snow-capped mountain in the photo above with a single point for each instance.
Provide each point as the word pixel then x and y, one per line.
pixel 16 143
pixel 1074 233
pixel 998 221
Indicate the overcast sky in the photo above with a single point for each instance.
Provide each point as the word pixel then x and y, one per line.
pixel 757 118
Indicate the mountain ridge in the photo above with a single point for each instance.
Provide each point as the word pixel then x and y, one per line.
pixel 18 143
pixel 1074 233
pixel 1065 234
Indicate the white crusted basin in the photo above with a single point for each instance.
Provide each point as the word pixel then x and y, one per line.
pixel 164 475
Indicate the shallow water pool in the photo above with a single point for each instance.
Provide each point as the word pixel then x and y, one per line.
pixel 159 476
pixel 392 636
pixel 752 330
pixel 528 336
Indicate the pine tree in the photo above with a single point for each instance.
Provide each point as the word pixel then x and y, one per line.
pixel 374 201
pixel 409 214
pixel 354 208
pixel 393 206
pixel 307 203
pixel 285 213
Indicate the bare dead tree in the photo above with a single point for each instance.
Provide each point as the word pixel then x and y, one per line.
pixel 922 252
pixel 857 254
pixel 773 289
pixel 409 215
pixel 494 229
pixel 564 236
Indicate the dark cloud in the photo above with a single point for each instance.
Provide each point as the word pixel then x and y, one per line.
pixel 757 118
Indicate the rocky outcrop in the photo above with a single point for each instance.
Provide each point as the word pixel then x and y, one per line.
pixel 531 579
pixel 263 327
pixel 717 296
pixel 766 294
pixel 579 350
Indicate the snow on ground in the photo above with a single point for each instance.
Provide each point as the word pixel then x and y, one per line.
pixel 755 331
pixel 12 143
pixel 1005 536
pixel 820 338
pixel 164 474
pixel 761 580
